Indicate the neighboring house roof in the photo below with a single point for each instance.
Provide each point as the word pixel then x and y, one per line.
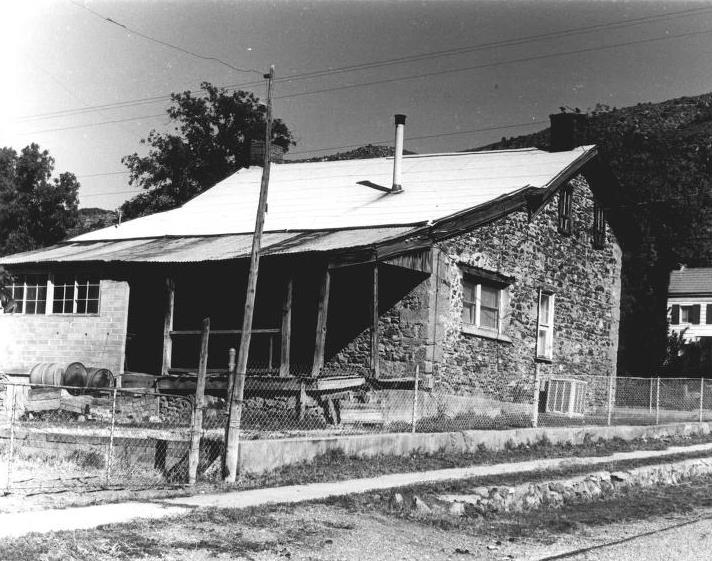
pixel 686 282
pixel 328 197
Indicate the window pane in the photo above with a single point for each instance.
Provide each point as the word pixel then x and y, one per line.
pixel 490 296
pixel 93 307
pixel 685 314
pixel 489 317
pixel 468 291
pixel 544 309
pixel 81 306
pixel 82 292
pixel 94 291
pixel 468 313
pixel 541 344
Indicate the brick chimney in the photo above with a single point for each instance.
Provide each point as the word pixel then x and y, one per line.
pixel 568 130
pixel 256 153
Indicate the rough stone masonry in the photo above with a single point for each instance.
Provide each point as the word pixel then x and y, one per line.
pixel 425 327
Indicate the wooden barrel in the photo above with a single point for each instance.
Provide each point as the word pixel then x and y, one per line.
pixel 99 378
pixel 47 373
pixel 75 375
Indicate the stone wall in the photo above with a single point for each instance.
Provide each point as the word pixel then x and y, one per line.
pixel 95 340
pixel 586 285
pixel 424 327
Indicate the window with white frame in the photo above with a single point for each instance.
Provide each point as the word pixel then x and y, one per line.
pixel 75 295
pixel 481 305
pixel 54 294
pixel 29 294
pixel 545 326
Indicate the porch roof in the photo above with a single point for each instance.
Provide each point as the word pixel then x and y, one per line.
pixel 190 249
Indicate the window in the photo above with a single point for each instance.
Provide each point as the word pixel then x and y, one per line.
pixel 29 293
pixel 481 304
pixel 75 295
pixel 599 227
pixel 545 326
pixel 59 294
pixel 685 314
pixel 565 218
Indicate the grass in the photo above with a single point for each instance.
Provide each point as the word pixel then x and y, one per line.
pixel 337 466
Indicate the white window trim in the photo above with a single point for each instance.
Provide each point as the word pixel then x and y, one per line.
pixel 476 328
pixel 49 299
pixel 548 324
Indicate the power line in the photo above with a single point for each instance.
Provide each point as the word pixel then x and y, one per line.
pixel 500 63
pixel 434 73
pixel 100 123
pixel 384 62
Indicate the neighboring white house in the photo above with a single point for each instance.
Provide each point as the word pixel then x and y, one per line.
pixel 690 302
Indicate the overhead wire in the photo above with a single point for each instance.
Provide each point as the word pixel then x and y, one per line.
pixel 164 43
pixel 428 74
pixel 383 62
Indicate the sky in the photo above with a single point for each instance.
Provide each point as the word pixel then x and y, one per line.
pixel 89 90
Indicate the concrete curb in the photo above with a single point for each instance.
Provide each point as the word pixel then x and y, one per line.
pixel 19 524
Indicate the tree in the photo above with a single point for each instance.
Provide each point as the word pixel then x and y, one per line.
pixel 35 210
pixel 210 143
pixel 5 295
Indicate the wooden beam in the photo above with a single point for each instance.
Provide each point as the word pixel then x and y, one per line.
pixel 197 425
pixel 321 317
pixel 168 326
pixel 375 330
pixel 286 329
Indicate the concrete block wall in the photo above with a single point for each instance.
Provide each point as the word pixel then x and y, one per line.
pixel 95 340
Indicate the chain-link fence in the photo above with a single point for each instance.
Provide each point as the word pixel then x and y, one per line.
pixel 63 437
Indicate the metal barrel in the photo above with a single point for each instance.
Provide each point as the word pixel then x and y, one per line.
pixel 99 378
pixel 47 373
pixel 75 375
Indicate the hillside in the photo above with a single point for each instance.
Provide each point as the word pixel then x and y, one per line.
pixel 92 219
pixel 661 154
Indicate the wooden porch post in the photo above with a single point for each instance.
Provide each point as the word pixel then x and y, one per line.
pixel 375 330
pixel 322 313
pixel 168 326
pixel 286 329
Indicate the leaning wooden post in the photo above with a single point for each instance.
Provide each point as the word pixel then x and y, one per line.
pixel 168 326
pixel 657 401
pixel 321 317
pixel 232 438
pixel 702 395
pixel 198 406
pixel 286 335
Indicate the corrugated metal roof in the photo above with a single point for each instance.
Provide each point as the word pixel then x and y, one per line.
pixel 691 281
pixel 327 195
pixel 208 248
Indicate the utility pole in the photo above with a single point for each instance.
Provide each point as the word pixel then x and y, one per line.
pixel 232 437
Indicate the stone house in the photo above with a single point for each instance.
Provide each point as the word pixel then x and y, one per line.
pixel 482 269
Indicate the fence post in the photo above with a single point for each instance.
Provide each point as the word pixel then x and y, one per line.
pixel 415 398
pixel 657 402
pixel 110 452
pixel 11 451
pixel 702 394
pixel 611 399
pixel 535 408
pixel 196 428
pixel 650 400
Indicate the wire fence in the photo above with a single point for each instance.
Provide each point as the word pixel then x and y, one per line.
pixel 62 437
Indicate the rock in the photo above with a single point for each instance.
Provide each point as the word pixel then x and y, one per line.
pixel 483 492
pixel 419 506
pixel 154 419
pixel 620 476
pixel 457 509
pixel 81 419
pixel 397 501
pixel 607 487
